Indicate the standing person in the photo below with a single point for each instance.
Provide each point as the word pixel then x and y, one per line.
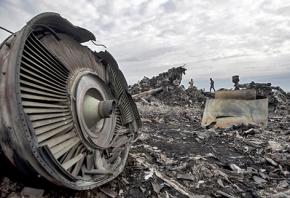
pixel 190 83
pixel 236 80
pixel 211 85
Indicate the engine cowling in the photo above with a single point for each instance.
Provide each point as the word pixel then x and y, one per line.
pixel 66 114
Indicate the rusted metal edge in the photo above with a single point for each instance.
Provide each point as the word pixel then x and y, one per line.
pixel 61 25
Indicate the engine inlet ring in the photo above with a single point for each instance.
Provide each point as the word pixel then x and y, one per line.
pixel 41 133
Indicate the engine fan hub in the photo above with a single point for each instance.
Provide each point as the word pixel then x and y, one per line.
pixel 94 110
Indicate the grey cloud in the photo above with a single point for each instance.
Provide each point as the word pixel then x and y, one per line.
pixel 218 38
pixel 169 6
pixel 150 55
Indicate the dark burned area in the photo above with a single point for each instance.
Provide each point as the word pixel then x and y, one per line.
pixel 173 156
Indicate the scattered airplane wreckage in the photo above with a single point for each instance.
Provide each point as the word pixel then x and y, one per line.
pixel 67 116
pixel 247 104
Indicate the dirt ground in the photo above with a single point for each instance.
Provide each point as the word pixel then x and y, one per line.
pixel 174 157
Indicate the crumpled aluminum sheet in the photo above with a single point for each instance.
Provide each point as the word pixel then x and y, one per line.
pixel 224 113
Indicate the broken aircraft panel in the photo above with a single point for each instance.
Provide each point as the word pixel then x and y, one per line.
pixel 235 108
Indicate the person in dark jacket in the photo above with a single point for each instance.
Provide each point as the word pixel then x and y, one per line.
pixel 211 85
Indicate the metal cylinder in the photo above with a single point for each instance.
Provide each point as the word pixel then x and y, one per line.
pixel 235 79
pixel 106 108
pixel 244 94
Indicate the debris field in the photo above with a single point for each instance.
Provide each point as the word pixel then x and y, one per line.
pixel 173 156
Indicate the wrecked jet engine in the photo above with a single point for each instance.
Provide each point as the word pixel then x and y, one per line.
pixel 66 114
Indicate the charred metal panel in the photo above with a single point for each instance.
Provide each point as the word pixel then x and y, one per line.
pixel 244 94
pixel 235 108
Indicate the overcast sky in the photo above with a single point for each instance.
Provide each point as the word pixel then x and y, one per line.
pixel 215 39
